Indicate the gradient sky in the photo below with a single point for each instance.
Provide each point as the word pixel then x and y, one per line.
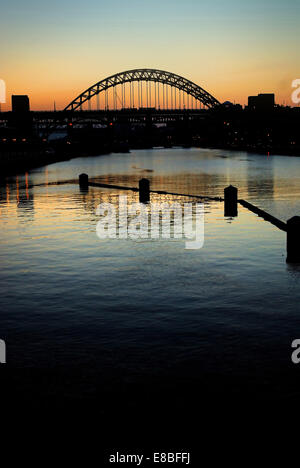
pixel 232 48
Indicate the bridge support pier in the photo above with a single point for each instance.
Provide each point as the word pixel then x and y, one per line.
pixel 230 201
pixel 144 190
pixel 293 240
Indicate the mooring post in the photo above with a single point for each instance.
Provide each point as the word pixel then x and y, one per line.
pixel 230 201
pixel 84 181
pixel 144 190
pixel 293 240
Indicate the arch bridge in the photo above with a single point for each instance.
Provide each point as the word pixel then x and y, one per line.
pixel 144 88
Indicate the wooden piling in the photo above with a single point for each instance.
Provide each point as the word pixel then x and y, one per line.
pixel 293 240
pixel 84 181
pixel 144 190
pixel 230 201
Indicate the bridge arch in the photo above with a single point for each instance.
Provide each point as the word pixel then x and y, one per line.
pixel 147 75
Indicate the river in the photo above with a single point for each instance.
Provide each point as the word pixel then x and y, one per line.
pixel 120 316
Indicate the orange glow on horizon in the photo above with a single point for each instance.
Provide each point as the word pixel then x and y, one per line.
pixel 233 88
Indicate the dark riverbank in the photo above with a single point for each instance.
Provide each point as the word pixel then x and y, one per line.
pixel 12 162
pixel 19 158
pixel 229 127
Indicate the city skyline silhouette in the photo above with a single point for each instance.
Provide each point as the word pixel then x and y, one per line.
pixel 234 50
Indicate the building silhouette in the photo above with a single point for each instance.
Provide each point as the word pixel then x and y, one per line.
pixel 262 102
pixel 20 104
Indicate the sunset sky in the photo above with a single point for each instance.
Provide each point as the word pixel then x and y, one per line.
pixel 232 48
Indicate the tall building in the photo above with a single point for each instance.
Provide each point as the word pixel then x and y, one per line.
pixel 20 104
pixel 21 118
pixel 262 102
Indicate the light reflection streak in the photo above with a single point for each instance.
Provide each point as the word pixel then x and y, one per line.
pixel 7 194
pixel 26 184
pixel 18 192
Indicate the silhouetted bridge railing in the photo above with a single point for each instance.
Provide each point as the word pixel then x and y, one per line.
pixel 231 201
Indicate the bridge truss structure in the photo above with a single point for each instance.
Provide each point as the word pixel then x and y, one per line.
pixel 144 88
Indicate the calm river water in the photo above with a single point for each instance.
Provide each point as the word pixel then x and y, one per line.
pixel 83 317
